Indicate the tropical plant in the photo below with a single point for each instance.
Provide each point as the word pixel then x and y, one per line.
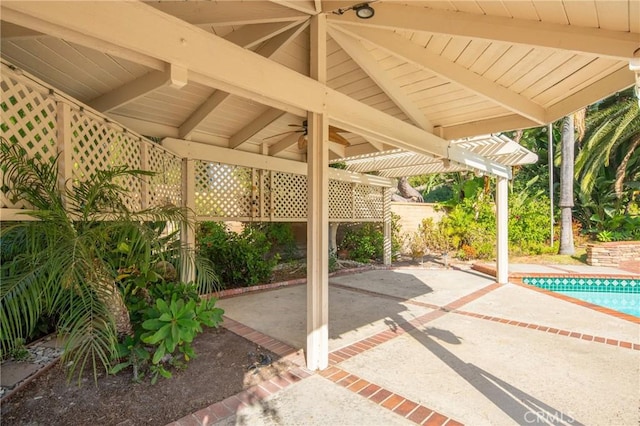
pixel 611 140
pixel 65 261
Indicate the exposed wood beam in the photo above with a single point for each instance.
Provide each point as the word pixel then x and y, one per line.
pixel 254 127
pixel 284 144
pixel 241 72
pixel 304 6
pixel 199 115
pixel 483 127
pixel 334 5
pixel 131 91
pixel 338 149
pixel 371 67
pixel 592 41
pixel 250 36
pixel 226 13
pixel 219 97
pixel 403 48
pixel 205 152
pixel 608 85
pixel 10 31
pixel 280 41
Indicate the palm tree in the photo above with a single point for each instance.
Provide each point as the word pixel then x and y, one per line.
pixel 66 263
pixel 566 179
pixel 611 141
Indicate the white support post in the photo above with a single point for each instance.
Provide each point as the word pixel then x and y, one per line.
pixel 318 212
pixel 187 230
pixel 386 200
pixel 502 227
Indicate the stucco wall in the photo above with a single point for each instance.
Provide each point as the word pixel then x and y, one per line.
pixel 411 214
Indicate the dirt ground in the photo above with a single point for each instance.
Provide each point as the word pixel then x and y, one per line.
pixel 221 369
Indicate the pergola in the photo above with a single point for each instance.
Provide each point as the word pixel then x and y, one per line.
pixel 420 87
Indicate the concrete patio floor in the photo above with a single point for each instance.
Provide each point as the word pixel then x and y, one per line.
pixel 438 347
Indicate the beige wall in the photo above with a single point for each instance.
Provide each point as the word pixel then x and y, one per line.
pixel 411 214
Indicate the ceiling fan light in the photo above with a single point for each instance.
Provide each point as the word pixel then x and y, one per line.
pixel 364 11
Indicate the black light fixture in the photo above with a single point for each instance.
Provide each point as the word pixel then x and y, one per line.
pixel 364 11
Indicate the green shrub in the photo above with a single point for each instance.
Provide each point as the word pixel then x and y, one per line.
pixel 173 315
pixel 364 243
pixel 280 236
pixel 239 259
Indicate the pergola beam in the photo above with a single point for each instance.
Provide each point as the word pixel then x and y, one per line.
pixel 250 36
pixel 614 82
pixel 284 144
pixel 224 13
pixel 592 41
pixel 483 127
pixel 372 68
pixel 217 100
pixel 254 127
pixel 404 49
pixel 175 77
pixel 241 72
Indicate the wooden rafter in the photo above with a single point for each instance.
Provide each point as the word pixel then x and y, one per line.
pixel 417 55
pixel 372 68
pixel 591 41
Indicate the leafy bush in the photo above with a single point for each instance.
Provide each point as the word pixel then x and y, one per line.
pixel 239 259
pixel 364 243
pixel 280 236
pixel 173 316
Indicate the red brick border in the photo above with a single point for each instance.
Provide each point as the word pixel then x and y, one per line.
pixel 410 410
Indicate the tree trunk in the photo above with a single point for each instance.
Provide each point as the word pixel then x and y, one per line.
pixel 566 186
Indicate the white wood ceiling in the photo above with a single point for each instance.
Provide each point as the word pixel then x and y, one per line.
pixel 454 69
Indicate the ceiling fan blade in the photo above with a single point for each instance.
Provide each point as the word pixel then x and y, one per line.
pixel 336 129
pixel 302 142
pixel 283 133
pixel 337 138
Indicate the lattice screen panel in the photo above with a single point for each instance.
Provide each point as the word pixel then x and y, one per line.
pixel 165 187
pixel 98 145
pixel 222 190
pixel 368 202
pixel 28 117
pixel 340 199
pixel 289 196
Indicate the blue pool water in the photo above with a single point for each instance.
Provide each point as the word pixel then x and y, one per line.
pixel 620 294
pixel 629 303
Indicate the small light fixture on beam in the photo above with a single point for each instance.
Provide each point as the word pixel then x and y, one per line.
pixel 363 10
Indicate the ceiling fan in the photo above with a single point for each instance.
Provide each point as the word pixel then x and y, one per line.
pixel 334 135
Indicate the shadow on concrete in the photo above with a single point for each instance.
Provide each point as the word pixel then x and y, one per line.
pixel 520 406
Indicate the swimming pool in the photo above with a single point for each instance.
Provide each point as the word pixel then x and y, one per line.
pixel 620 294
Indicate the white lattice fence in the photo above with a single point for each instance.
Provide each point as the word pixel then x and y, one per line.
pixel 29 118
pixel 224 192
pixel 165 186
pixel 46 124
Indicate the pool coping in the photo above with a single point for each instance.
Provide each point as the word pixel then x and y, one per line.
pixel 517 279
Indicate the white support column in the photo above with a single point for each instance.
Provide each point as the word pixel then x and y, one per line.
pixel 318 212
pixel 502 225
pixel 387 252
pixel 187 231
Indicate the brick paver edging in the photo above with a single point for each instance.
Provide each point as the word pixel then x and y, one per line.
pixel 229 407
pixel 398 404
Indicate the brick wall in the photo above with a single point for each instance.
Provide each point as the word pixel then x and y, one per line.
pixel 612 254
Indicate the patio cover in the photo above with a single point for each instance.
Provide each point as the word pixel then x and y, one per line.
pixel 415 76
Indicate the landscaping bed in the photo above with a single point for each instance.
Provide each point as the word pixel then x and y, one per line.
pixel 221 369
